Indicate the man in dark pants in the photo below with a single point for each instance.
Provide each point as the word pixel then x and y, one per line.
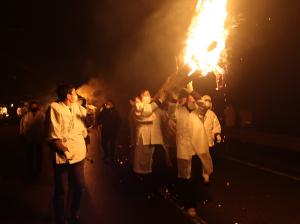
pixel 191 142
pixel 109 121
pixel 67 131
pixel 73 176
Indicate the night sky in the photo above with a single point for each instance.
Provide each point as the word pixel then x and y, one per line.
pixel 131 45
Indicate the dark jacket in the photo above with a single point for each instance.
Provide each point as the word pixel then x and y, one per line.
pixel 110 121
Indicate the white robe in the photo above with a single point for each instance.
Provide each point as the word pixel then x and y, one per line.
pixel 212 126
pixel 67 124
pixel 148 133
pixel 191 139
pixel 148 125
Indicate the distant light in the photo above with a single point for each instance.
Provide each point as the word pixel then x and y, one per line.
pixel 12 105
pixel 4 110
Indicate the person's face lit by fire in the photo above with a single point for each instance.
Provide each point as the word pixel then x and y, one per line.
pixel 146 97
pixel 72 97
pixel 182 101
pixel 191 102
pixel 109 105
pixel 190 99
pixel 207 101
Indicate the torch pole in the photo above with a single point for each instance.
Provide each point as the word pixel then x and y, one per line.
pixel 178 80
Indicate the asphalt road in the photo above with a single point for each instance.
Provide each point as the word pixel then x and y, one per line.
pixel 251 184
pixel 30 201
pixel 253 189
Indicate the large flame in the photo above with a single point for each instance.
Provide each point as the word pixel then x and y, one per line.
pixel 205 44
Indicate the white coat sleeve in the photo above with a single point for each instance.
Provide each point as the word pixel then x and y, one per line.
pixel 143 113
pixel 216 124
pixel 54 124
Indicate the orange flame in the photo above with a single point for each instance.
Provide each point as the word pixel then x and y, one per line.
pixel 205 44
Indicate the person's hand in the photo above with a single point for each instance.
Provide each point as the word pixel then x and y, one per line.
pixel 186 81
pixel 137 99
pixel 189 87
pixel 173 96
pixel 162 96
pixel 132 102
pixel 218 138
pixel 58 146
pixel 69 155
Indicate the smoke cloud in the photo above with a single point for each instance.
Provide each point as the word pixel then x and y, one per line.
pixel 95 92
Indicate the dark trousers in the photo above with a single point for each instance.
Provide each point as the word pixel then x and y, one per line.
pixel 69 181
pixel 34 158
pixel 152 182
pixel 159 167
pixel 159 176
pixel 109 146
pixel 187 188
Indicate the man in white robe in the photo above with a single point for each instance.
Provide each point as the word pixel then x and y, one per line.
pixel 149 153
pixel 148 133
pixel 66 134
pixel 191 142
pixel 211 123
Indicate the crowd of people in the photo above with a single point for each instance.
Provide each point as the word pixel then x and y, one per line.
pixel 167 132
pixel 178 131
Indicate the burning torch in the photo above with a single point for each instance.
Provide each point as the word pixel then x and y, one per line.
pixel 205 44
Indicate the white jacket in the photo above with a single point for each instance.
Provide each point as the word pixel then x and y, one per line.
pixel 212 126
pixel 148 124
pixel 191 137
pixel 68 125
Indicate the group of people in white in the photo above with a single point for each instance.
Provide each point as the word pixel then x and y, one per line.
pixel 186 117
pixel 171 129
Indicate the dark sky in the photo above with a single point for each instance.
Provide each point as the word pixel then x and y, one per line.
pixel 133 44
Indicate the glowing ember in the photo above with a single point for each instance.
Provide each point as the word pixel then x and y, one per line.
pixel 205 45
